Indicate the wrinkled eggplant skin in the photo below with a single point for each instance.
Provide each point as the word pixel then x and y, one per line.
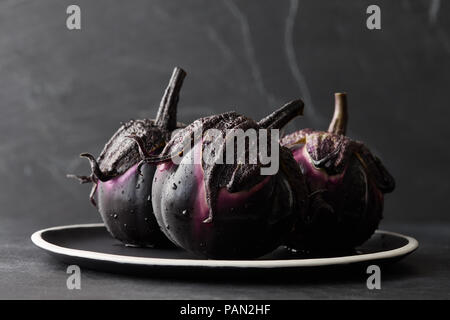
pixel 245 225
pixel 346 198
pixel 345 211
pixel 125 206
pixel 120 152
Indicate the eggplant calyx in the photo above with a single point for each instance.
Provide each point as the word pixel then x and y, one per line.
pixel 92 195
pixel 383 179
pixel 97 174
pixel 295 138
pixel 334 153
pixel 141 146
pixel 81 179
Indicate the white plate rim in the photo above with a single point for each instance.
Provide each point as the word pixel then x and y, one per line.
pixel 37 239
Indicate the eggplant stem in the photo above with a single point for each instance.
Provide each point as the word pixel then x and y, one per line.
pixel 279 118
pixel 167 112
pixel 96 172
pixel 338 124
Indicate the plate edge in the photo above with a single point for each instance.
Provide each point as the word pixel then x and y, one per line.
pixel 37 239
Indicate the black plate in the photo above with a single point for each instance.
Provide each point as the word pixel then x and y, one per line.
pixel 91 246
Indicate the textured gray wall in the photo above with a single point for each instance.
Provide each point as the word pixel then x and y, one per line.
pixel 64 92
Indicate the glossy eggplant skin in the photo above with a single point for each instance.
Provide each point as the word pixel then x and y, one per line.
pixel 122 182
pixel 228 211
pixel 125 206
pixel 345 208
pixel 346 184
pixel 124 202
pixel 246 224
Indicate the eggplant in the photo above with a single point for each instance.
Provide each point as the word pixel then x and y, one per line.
pixel 346 184
pixel 228 210
pixel 122 182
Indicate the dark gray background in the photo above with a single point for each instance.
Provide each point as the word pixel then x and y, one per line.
pixel 64 92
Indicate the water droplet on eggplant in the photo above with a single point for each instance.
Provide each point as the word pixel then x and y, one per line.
pixel 115 196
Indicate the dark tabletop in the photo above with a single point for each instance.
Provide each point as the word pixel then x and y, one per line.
pixel 64 92
pixel 29 273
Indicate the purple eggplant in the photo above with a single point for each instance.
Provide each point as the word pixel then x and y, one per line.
pixel 122 183
pixel 346 182
pixel 227 210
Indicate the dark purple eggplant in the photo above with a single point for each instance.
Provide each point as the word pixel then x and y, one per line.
pixel 122 183
pixel 227 211
pixel 346 184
